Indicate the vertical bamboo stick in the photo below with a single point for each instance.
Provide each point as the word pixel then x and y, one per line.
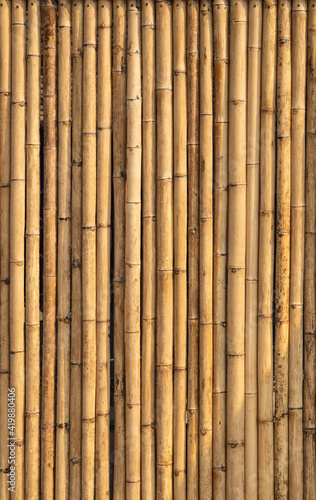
pixel 180 247
pixel 32 320
pixel 206 253
pixel 5 124
pixel 149 251
pixel 119 159
pixel 266 253
pixel 89 248
pixel 76 223
pixel 310 263
pixel 253 156
pixel 164 356
pixel 299 32
pixel 220 15
pixel 103 250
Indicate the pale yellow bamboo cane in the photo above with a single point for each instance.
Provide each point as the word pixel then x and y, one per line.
pixel 299 32
pixel 103 250
pixel 32 318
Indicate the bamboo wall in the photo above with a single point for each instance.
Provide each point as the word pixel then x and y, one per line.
pixel 157 249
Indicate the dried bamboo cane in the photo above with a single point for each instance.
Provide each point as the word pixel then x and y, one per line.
pixel 310 264
pixel 236 251
pixel 32 320
pixel 253 156
pixel 299 32
pixel 76 223
pixel 220 16
pixel 119 160
pixel 193 249
pixel 149 251
pixel 5 125
pixel 103 250
pixel 164 358
pixel 89 248
pixel 266 253
pixel 282 264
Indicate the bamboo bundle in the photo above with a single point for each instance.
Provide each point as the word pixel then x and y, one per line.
pixel 76 223
pixel 220 16
pixel 206 253
pixel 299 32
pixel 310 263
pixel 164 357
pixel 149 250
pixel 253 156
pixel 32 320
pixel 103 250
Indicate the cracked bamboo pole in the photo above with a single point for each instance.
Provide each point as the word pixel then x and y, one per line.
pixel 236 251
pixel 32 274
pixel 149 251
pixel 299 32
pixel 76 241
pixel 252 249
pixel 103 249
pixel 221 66
pixel 164 357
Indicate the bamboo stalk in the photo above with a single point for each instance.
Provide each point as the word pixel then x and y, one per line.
pixel 310 262
pixel 76 223
pixel 119 161
pixel 149 251
pixel 221 62
pixel 299 32
pixel 32 319
pixel 164 358
pixel 236 251
pixel 103 250
pixel 253 157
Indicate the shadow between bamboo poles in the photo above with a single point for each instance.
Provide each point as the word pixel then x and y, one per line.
pixel 76 226
pixel 236 251
pixel 299 46
pixel 5 157
pixel 32 318
pixel 310 263
pixel 253 157
pixel 164 358
pixel 221 68
pixel 104 158
pixel 148 451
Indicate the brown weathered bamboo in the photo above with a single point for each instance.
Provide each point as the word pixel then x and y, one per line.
pixel 149 250
pixel 164 357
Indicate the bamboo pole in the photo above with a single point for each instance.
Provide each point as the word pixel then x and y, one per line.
pixel 103 250
pixel 76 287
pixel 253 156
pixel 221 62
pixel 149 251
pixel 164 358
pixel 266 253
pixel 299 32
pixel 32 319
pixel 310 262
pixel 89 248
pixel 5 125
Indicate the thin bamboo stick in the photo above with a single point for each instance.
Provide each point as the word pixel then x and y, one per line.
pixel 310 263
pixel 253 156
pixel 103 250
pixel 76 223
pixel 299 32
pixel 32 319
pixel 164 358
pixel 149 251
pixel 5 126
pixel 221 62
